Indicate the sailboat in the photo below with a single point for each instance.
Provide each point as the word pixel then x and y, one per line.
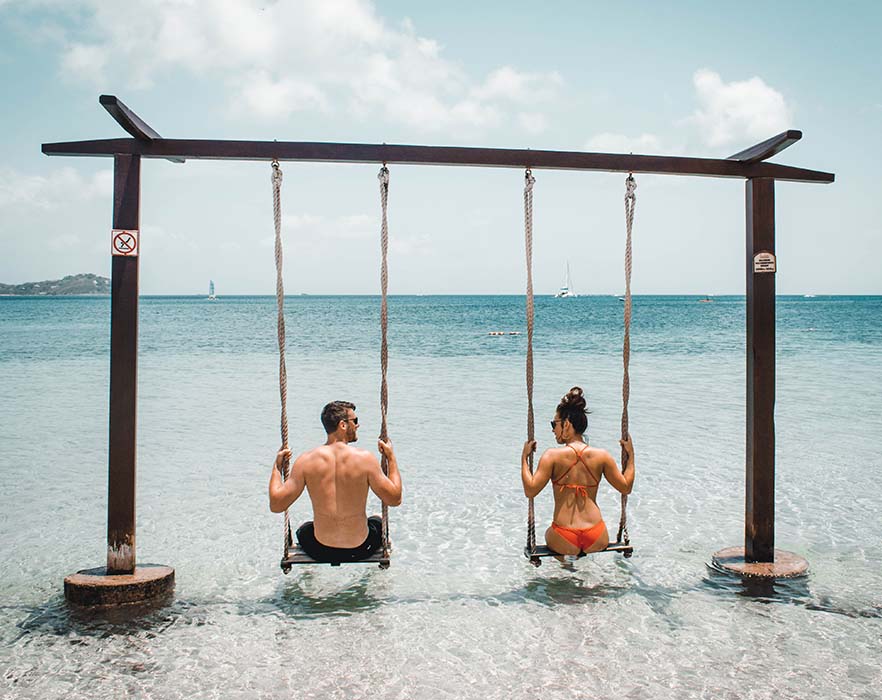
pixel 211 296
pixel 566 290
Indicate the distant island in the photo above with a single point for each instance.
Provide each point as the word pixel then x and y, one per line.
pixel 67 286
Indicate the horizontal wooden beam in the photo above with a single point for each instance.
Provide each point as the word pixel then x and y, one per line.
pixel 432 155
pixel 767 148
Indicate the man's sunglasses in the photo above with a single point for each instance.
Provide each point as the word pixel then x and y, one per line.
pixel 352 420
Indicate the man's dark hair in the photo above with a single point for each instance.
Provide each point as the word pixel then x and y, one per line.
pixel 572 407
pixel 333 413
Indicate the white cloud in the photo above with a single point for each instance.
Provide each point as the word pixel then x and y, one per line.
pixel 426 111
pixel 509 84
pixel 277 58
pixel 358 222
pixel 316 228
pixel 228 247
pixel 262 96
pixel 101 183
pixel 160 239
pixel 533 122
pixel 300 221
pixel 411 246
pixel 608 142
pixel 747 110
pixel 47 191
pixel 64 242
pixel 80 62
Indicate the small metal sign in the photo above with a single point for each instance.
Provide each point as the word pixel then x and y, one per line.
pixel 764 262
pixel 124 242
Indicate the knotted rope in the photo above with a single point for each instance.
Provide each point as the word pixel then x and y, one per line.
pixel 630 201
pixel 529 181
pixel 280 303
pixel 383 177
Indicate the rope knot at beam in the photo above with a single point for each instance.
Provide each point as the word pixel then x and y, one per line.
pixel 630 187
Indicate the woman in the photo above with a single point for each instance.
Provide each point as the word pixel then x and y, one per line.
pixel 575 471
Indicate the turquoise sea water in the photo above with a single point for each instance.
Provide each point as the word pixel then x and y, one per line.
pixel 460 613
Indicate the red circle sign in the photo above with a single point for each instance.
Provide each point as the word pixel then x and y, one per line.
pixel 125 243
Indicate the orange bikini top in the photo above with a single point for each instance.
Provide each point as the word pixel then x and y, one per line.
pixel 581 489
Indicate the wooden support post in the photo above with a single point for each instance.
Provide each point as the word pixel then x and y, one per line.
pixel 123 373
pixel 758 558
pixel 759 522
pixel 121 582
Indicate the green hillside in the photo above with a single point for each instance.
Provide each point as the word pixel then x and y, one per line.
pixel 72 284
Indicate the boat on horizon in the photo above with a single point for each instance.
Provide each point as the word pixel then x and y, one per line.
pixel 706 300
pixel 211 296
pixel 566 290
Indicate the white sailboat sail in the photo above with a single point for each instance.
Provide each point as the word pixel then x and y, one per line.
pixel 566 289
pixel 211 295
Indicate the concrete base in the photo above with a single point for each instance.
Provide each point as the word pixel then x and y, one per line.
pixel 95 587
pixel 786 564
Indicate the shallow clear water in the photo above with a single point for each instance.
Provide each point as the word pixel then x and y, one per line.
pixel 460 613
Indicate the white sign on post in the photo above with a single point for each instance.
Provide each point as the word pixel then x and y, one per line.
pixel 764 262
pixel 124 242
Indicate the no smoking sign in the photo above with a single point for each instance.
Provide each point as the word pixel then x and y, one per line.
pixel 124 242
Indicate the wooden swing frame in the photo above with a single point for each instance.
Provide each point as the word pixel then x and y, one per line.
pixel 749 165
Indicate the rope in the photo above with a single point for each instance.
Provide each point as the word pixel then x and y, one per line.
pixel 383 177
pixel 529 181
pixel 280 303
pixel 630 202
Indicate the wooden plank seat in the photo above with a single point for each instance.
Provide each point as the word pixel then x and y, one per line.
pixel 542 551
pixel 297 556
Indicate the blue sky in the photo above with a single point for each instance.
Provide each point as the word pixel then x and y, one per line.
pixel 689 78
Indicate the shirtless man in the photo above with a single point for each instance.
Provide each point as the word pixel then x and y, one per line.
pixel 337 478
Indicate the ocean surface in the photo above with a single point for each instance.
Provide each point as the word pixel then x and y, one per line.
pixel 461 613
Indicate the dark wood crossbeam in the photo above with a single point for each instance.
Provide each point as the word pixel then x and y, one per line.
pixel 130 121
pixel 767 148
pixel 127 119
pixel 149 144
pixel 432 155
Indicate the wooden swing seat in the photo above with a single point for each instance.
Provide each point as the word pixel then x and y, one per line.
pixel 297 556
pixel 542 551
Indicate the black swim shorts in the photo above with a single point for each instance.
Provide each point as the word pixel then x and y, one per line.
pixel 334 555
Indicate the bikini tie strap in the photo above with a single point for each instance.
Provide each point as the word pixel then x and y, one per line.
pixel 581 489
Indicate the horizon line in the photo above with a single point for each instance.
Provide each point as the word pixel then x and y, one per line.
pixel 199 295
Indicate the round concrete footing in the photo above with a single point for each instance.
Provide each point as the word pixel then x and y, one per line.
pixel 786 564
pixel 94 587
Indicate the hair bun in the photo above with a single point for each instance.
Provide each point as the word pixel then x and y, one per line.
pixel 575 398
pixel 573 408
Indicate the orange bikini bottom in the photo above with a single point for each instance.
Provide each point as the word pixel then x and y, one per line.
pixel 584 538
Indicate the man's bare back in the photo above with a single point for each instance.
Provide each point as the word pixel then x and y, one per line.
pixel 337 478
